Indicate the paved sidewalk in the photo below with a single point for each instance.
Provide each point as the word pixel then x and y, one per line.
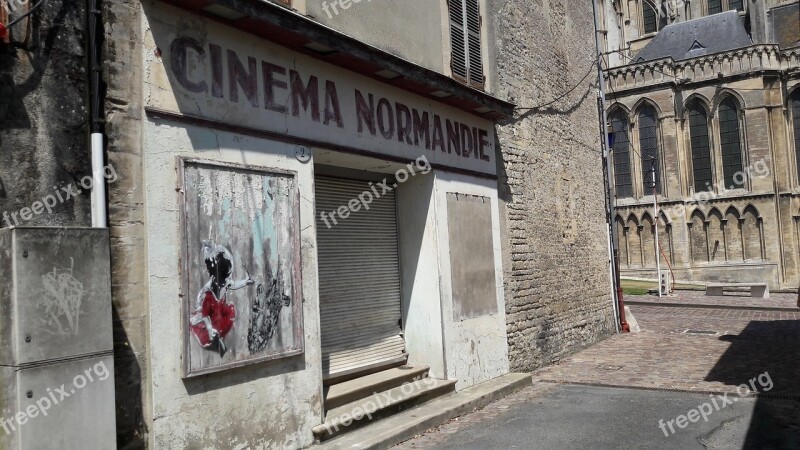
pixel 722 349
pixel 733 299
pixel 614 393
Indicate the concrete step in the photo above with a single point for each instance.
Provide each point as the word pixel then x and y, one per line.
pixel 382 404
pixel 405 425
pixel 349 391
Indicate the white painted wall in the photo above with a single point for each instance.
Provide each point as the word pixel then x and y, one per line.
pixel 476 349
pixel 275 404
pixel 410 29
pixel 419 270
pixel 268 405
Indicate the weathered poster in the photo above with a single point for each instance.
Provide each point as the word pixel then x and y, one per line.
pixel 242 300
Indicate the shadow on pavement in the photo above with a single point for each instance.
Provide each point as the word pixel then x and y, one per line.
pixel 765 357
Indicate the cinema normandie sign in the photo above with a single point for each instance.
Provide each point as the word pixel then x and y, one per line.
pixel 203 69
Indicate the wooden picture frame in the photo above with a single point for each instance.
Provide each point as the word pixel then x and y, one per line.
pixel 241 277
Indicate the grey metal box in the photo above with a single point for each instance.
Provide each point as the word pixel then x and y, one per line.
pixel 55 294
pixel 58 406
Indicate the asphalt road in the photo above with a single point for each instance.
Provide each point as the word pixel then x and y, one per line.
pixel 575 417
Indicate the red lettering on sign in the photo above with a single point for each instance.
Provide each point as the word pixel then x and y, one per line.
pixel 365 113
pixel 386 126
pixel 466 141
pixel 179 62
pixel 270 83
pixel 404 125
pixel 216 71
pixel 483 143
pixel 308 94
pixel 394 119
pixel 332 109
pixel 422 129
pixel 438 134
pixel 453 139
pixel 239 77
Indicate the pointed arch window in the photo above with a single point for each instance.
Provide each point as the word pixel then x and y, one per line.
pixel 623 181
pixel 649 17
pixel 717 6
pixel 730 142
pixel 795 107
pixel 701 147
pixel 648 146
pixel 736 4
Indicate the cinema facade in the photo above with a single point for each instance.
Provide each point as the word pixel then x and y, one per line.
pixel 307 222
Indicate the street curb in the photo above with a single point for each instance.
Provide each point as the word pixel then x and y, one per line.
pixel 400 427
pixel 708 306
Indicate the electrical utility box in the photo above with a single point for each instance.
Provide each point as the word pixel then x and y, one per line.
pixel 665 282
pixel 56 346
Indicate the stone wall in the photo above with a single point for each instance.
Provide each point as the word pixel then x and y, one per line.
pixel 745 234
pixel 44 142
pixel 122 53
pixel 44 115
pixel 558 295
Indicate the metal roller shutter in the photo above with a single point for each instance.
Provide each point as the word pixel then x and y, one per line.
pixel 359 280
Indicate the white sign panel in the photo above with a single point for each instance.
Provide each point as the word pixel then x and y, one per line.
pixel 204 69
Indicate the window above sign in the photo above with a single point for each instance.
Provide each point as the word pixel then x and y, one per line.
pixel 466 42
pixel 367 37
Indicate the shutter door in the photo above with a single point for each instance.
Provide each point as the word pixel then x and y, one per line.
pixel 359 280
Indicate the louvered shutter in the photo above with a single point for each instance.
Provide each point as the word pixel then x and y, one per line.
pixel 465 36
pixel 475 60
pixel 359 280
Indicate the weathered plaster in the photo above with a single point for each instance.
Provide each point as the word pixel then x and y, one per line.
pixel 476 349
pixel 267 405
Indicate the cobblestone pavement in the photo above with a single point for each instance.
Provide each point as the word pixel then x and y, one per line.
pixel 733 299
pixel 680 348
pixel 693 349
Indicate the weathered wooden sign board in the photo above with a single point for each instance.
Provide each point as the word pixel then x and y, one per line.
pixel 242 300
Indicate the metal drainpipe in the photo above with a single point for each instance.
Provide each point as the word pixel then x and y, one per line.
pixel 99 200
pixel 616 288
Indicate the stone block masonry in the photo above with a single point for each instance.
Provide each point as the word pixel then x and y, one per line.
pixel 123 110
pixel 558 295
pixel 44 111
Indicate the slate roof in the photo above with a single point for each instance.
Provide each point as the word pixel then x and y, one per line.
pixel 710 34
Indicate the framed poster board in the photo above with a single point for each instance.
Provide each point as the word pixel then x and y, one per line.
pixel 240 231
